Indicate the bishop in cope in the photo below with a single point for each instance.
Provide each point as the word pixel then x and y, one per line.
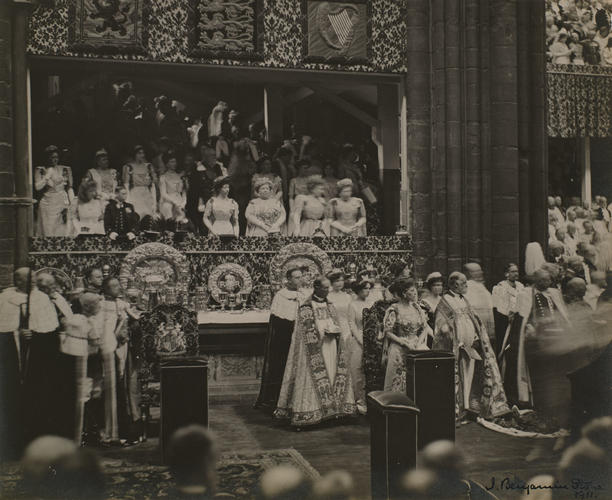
pixel 317 383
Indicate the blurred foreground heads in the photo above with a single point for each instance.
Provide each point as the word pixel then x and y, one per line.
pixel 441 475
pixel 54 467
pixel 192 459
pixel 284 483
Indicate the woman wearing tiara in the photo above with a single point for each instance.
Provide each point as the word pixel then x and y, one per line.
pixel 347 213
pixel 221 211
pixel 104 177
pixel 265 215
pixel 405 328
pixel 140 180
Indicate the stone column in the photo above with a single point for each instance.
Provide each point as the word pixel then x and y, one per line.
pixel 15 175
pixel 480 193
pixel 7 174
pixel 418 128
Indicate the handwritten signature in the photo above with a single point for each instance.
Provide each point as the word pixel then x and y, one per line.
pixel 581 489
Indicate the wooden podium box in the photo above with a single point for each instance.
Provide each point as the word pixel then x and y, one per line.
pixel 183 396
pixel 430 383
pixel 393 441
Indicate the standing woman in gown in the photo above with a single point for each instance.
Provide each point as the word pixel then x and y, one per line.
pixel 355 321
pixel 104 177
pixel 310 212
pixel 241 169
pixel 405 329
pixel 172 191
pixel 340 300
pixel 141 182
pixel 430 298
pixel 265 215
pixel 221 211
pixel 347 213
pixel 297 186
pixel 55 183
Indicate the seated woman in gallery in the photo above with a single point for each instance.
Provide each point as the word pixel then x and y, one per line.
pixel 104 177
pixel 309 216
pixel 347 213
pixel 265 170
pixel 141 182
pixel 405 329
pixel 265 214
pixel 89 212
pixel 54 181
pixel 172 191
pixel 221 211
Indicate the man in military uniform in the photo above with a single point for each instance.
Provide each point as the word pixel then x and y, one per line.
pixel 120 219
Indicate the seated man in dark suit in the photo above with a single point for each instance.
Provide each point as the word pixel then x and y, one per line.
pixel 120 219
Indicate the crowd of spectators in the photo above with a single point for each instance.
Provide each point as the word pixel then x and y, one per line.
pixel 580 231
pixel 214 176
pixel 578 32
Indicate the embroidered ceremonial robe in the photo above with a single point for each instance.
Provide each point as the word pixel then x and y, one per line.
pixel 478 383
pixel 316 384
pixel 481 303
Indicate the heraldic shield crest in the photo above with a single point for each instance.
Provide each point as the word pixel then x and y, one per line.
pixel 337 30
pixel 337 24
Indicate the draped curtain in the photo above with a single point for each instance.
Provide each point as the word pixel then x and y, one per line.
pixel 579 101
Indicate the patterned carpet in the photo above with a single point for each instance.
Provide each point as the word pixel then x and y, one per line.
pixel 238 475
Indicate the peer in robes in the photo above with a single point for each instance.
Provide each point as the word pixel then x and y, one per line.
pixel 80 331
pixel 539 325
pixel 119 314
pixel 15 323
pixel 505 300
pixel 478 384
pixel 67 365
pixel 102 422
pixel 317 383
pixel 39 349
pixel 480 298
pixel 538 310
pixel 280 330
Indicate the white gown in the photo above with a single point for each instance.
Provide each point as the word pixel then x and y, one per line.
pixel 341 301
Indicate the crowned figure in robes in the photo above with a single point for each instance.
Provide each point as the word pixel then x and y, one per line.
pixel 317 383
pixel 478 384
